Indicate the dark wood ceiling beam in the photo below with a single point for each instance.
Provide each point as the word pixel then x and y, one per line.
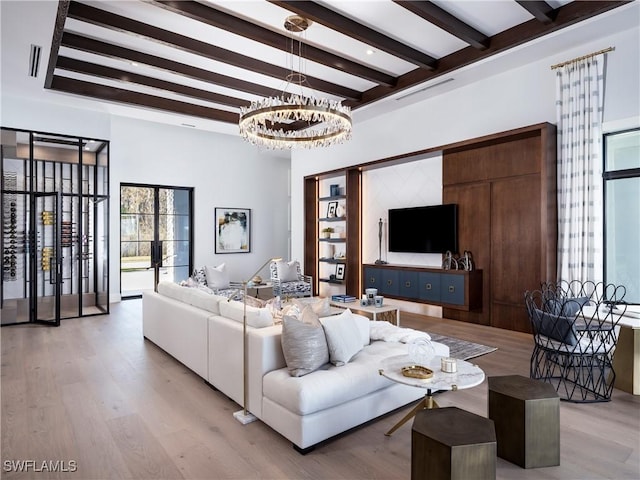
pixel 127 97
pixel 566 15
pixel 220 19
pixel 87 68
pixel 346 26
pixel 447 22
pixel 85 44
pixel 540 9
pixel 102 18
pixel 58 29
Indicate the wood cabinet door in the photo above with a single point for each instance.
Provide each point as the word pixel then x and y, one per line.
pixel 515 249
pixel 474 234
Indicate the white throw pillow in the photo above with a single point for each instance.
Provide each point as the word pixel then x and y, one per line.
pixel 287 271
pixel 319 305
pixel 364 325
pixel 217 277
pixel 256 317
pixel 343 337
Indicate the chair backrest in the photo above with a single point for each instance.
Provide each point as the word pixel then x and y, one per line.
pixel 559 310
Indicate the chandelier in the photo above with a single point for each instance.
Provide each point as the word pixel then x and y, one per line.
pixel 293 120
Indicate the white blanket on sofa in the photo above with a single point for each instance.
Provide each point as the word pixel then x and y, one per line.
pixel 387 332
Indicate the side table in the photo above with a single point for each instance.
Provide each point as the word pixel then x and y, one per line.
pixel 526 413
pixel 262 290
pixel 468 375
pixel 373 310
pixel 453 444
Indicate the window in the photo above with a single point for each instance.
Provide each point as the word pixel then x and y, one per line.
pixel 622 211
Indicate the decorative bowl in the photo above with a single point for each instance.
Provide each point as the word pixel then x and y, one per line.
pixel 417 371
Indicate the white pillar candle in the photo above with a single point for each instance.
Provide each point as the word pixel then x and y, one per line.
pixel 448 365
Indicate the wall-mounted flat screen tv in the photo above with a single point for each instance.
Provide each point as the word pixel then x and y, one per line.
pixel 429 229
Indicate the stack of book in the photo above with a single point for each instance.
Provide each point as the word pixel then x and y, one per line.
pixel 343 298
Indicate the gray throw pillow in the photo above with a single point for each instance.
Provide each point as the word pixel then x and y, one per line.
pixel 304 346
pixel 557 327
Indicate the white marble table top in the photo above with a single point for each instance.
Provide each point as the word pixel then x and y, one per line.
pixel 467 376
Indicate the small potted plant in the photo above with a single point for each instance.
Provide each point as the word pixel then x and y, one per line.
pixel 326 232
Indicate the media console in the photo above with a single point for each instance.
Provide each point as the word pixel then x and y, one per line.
pixel 458 289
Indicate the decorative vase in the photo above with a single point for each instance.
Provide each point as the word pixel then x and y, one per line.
pixel 421 351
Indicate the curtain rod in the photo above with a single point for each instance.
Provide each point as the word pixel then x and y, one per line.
pixel 573 60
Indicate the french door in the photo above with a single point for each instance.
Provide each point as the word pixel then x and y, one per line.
pixel 156 236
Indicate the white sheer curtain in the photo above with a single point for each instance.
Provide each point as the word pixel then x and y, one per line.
pixel 579 106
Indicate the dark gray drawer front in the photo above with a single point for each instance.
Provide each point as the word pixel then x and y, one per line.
pixel 408 284
pixel 429 286
pixel 390 282
pixel 452 289
pixel 372 278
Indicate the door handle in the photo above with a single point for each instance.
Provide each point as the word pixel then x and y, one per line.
pixel 159 254
pixel 153 254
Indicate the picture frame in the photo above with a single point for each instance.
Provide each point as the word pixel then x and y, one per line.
pixel 340 270
pixel 232 230
pixel 331 209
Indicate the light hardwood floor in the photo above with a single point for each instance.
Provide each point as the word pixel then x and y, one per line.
pixel 94 392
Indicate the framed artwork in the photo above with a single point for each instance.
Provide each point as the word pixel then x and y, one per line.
pixel 331 209
pixel 233 230
pixel 340 268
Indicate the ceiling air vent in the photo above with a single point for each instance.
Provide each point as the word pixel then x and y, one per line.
pixel 424 89
pixel 34 60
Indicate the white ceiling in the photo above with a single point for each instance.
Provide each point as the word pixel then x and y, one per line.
pixel 24 23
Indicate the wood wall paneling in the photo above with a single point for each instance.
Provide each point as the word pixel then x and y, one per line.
pixel 515 246
pixel 311 230
pixel 505 186
pixel 474 202
pixel 354 233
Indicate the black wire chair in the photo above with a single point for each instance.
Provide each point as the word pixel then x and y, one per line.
pixel 575 328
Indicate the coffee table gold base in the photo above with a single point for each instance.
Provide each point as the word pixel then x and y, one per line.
pixel 426 403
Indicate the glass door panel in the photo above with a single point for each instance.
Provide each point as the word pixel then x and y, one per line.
pixel 174 233
pixel 156 232
pixel 15 258
pixel 46 270
pixel 101 249
pixel 137 207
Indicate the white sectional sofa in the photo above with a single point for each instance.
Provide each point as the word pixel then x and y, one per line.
pixel 204 332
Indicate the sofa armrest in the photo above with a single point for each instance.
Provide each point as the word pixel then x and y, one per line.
pixel 178 328
pixel 265 354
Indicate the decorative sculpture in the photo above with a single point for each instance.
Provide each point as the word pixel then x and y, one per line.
pixel 379 261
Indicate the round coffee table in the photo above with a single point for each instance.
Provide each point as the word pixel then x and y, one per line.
pixel 467 375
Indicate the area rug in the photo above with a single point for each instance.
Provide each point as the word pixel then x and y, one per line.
pixel 462 349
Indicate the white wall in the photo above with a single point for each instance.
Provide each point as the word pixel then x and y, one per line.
pixel 399 186
pixel 224 170
pixel 513 99
pixel 404 185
